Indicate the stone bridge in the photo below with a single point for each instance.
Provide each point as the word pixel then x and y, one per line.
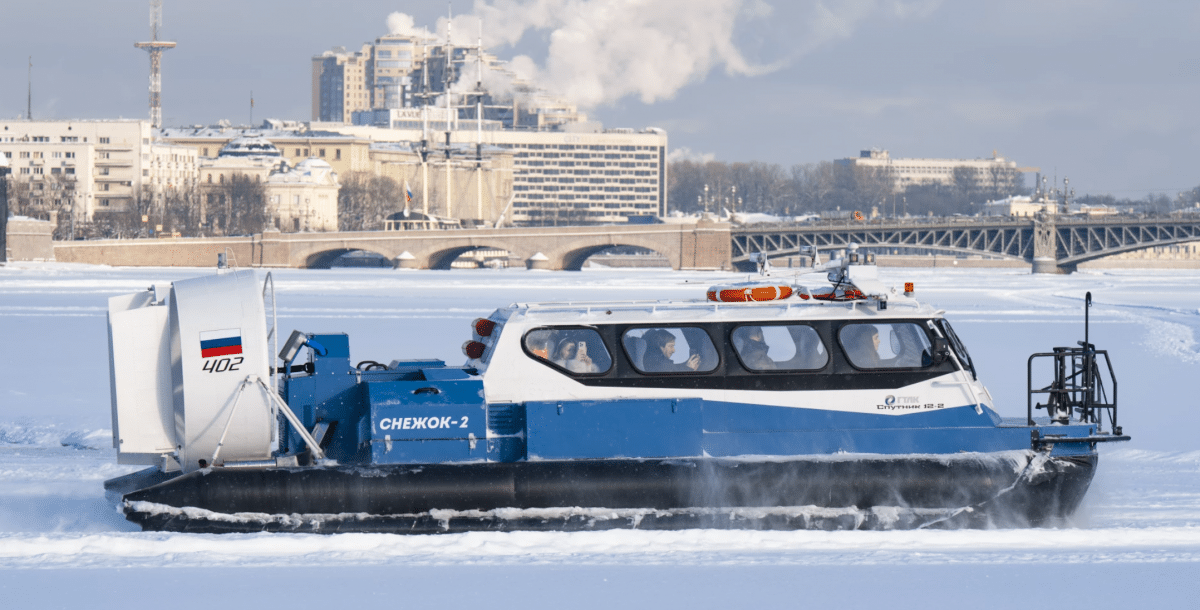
pixel 1053 244
pixel 698 246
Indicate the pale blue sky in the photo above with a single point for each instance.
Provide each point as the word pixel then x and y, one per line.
pixel 1101 91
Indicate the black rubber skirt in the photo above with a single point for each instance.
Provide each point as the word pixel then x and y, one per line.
pixel 897 492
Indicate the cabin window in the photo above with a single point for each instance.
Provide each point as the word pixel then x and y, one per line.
pixel 959 349
pixel 579 351
pixel 681 349
pixel 794 347
pixel 896 345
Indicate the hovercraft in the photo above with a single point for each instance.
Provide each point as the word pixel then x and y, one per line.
pixel 779 406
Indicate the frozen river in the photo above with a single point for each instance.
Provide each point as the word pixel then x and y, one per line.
pixel 1136 539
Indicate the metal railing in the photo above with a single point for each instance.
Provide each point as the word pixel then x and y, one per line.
pixel 1079 387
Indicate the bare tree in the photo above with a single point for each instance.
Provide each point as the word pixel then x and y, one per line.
pixel 120 223
pixel 812 186
pixel 52 197
pixel 237 206
pixel 873 185
pixel 19 192
pixel 761 187
pixel 182 210
pixel 685 184
pixel 966 186
pixel 365 200
pixel 1003 182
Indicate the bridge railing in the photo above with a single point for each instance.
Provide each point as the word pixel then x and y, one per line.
pixel 941 221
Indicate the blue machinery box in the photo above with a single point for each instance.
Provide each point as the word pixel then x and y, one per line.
pixel 431 420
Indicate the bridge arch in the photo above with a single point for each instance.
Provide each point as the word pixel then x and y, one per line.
pixel 323 259
pixel 573 260
pixel 1100 254
pixel 744 264
pixel 442 259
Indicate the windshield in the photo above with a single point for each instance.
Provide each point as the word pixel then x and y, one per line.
pixel 959 349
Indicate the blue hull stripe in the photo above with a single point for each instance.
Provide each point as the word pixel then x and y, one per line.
pixel 741 417
pixel 693 428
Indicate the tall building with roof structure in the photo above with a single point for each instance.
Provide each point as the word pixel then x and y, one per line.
pixel 433 99
pixel 393 60
pixel 339 85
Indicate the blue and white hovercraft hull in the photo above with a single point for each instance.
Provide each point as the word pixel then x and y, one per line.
pixel 1015 489
pixel 827 411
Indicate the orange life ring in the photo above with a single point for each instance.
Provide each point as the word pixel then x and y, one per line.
pixel 748 293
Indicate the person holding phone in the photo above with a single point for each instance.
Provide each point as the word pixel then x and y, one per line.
pixel 660 348
pixel 573 356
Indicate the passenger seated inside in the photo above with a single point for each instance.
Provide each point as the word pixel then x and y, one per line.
pixel 752 348
pixel 897 345
pixel 861 342
pixel 792 347
pixel 579 351
pixel 573 356
pixel 660 347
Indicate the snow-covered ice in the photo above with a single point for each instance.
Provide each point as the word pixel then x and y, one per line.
pixel 1136 541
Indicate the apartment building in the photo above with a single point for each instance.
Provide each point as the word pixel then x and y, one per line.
pixel 377 76
pixel 91 167
pixel 558 177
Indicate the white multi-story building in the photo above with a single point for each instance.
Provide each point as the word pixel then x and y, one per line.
pixel 558 177
pixel 92 167
pixel 994 173
pixel 304 197
pixel 524 177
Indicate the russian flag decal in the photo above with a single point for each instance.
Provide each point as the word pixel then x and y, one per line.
pixel 220 342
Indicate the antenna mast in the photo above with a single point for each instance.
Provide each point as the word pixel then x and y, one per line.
pixel 155 48
pixel 446 91
pixel 425 126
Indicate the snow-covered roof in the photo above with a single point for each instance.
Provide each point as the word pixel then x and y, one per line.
pixel 702 310
pixel 311 171
pixel 249 146
pixel 217 132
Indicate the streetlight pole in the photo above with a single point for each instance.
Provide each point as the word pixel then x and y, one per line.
pixel 3 209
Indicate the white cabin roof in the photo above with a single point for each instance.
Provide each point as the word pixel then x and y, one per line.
pixel 650 312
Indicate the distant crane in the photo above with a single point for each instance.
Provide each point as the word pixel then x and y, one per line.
pixel 155 48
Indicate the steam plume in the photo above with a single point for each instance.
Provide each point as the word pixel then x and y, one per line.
pixel 601 51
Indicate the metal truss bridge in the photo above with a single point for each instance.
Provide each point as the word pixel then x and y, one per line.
pixel 1054 244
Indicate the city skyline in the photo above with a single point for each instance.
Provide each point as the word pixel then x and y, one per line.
pixel 1097 92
